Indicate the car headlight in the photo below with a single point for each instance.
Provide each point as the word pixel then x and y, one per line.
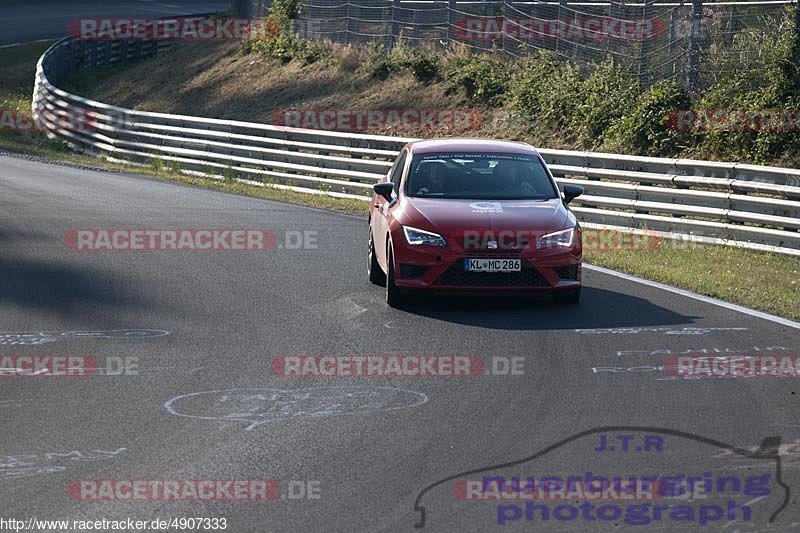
pixel 558 239
pixel 416 236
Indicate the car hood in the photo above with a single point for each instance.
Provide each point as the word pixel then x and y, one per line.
pixel 453 217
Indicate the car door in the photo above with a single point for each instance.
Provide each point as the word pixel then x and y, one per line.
pixel 382 210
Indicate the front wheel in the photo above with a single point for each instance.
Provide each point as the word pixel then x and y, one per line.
pixel 376 275
pixel 394 294
pixel 568 297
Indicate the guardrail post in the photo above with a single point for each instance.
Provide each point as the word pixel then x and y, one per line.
pixel 694 44
pixel 107 52
pixel 123 51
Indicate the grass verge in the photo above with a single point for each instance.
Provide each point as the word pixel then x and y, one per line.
pixel 760 280
pixel 764 281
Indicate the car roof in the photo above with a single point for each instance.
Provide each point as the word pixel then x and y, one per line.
pixel 471 145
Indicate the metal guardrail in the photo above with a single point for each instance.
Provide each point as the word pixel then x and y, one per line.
pixel 724 203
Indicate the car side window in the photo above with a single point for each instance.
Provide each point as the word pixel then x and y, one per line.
pixel 397 171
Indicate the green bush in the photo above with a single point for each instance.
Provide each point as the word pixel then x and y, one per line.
pixel 768 80
pixel 485 78
pixel 545 94
pixel 313 51
pixel 425 68
pixel 382 63
pixel 281 42
pixel 603 98
pixel 156 164
pixel 286 47
pixel 377 63
pixel 229 175
pixel 644 129
pixel 174 166
pixel 734 92
pixel 284 12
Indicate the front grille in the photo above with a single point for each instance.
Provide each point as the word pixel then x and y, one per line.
pixel 412 271
pixel 567 273
pixel 455 275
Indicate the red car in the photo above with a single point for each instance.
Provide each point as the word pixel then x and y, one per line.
pixel 473 215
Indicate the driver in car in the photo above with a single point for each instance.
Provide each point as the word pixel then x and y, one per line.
pixel 512 177
pixel 434 184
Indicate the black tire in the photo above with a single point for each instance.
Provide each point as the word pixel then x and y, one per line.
pixel 568 297
pixel 374 271
pixel 394 294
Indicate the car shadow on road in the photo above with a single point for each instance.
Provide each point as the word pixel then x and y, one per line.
pixel 598 308
pixel 66 289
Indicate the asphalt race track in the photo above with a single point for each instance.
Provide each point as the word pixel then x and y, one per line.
pixel 366 449
pixel 23 21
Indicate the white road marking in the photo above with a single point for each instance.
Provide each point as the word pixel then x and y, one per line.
pixel 751 502
pixel 344 309
pixel 261 406
pixel 688 294
pixel 29 42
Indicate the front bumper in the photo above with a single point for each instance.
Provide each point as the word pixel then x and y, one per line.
pixel 439 269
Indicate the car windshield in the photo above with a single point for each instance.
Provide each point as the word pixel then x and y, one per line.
pixel 484 176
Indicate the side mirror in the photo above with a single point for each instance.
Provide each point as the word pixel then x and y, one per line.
pixel 571 192
pixel 385 190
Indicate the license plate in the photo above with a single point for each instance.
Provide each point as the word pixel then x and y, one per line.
pixel 492 265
